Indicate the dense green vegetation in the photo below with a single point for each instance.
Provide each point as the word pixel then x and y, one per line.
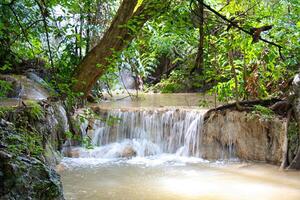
pixel 240 59
pixel 241 51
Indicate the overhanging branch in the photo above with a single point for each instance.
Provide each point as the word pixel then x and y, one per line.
pixel 232 23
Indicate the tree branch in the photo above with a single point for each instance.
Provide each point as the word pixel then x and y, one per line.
pixel 43 13
pixel 232 23
pixel 21 27
pixel 27 28
pixel 245 104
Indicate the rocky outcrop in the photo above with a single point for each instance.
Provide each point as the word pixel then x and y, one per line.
pixel 243 135
pixel 16 86
pixel 32 133
pixel 23 174
pixel 25 88
pixel 128 152
pixel 47 120
pixel 295 100
pixel 223 134
pixel 33 111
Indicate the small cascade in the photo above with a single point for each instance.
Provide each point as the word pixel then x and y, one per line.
pixel 145 132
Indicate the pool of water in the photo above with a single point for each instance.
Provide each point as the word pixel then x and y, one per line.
pixel 99 175
pixel 169 177
pixel 158 100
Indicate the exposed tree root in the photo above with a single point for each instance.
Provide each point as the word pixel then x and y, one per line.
pixel 247 105
pixel 284 162
pixel 295 164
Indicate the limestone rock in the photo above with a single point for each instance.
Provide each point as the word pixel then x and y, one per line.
pixel 128 152
pixel 238 134
pixel 60 168
pixel 22 176
pixel 71 152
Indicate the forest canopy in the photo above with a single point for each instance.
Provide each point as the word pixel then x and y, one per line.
pixel 233 48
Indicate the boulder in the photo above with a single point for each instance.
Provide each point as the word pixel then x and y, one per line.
pixel 23 176
pixel 128 152
pixel 231 134
pixel 71 152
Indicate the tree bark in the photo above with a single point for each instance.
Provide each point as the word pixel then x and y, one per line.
pixel 199 63
pixel 284 162
pixel 89 19
pixel 121 32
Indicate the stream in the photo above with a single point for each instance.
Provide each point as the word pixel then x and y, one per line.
pixel 163 178
pixel 154 152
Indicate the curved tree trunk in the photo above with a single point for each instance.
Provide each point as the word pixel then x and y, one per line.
pixel 199 64
pixel 121 32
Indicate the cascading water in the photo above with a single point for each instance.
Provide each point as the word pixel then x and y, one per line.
pixel 165 150
pixel 145 133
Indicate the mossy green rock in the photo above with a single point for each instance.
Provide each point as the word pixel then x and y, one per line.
pixel 23 176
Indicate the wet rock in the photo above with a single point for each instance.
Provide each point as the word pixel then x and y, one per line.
pixel 295 98
pixel 230 134
pixel 5 155
pixel 22 176
pixel 60 168
pixel 71 152
pixel 25 88
pixel 36 65
pixel 128 152
pixel 24 173
pixel 16 86
pixel 28 180
pixel 52 156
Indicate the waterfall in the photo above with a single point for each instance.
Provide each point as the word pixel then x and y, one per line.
pixel 145 132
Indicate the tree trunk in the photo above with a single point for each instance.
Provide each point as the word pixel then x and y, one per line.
pixel 121 32
pixel 284 162
pixel 236 82
pixel 80 34
pixel 89 18
pixel 199 63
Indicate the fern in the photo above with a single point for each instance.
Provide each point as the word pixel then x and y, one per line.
pixel 35 110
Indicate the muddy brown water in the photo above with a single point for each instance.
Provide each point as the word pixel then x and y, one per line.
pixel 152 180
pixel 156 100
pixel 172 177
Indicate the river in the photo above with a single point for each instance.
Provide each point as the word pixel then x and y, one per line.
pixel 153 154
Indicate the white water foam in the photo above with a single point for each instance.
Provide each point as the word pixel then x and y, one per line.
pixel 148 161
pixel 149 132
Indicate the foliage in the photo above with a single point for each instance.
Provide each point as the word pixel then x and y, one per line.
pixel 35 110
pixel 5 87
pixel 204 103
pixel 4 111
pixel 58 32
pixel 85 140
pixel 88 114
pixel 23 141
pixel 84 117
pixel 264 112
pixel 261 72
pixel 61 33
pixel 175 83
